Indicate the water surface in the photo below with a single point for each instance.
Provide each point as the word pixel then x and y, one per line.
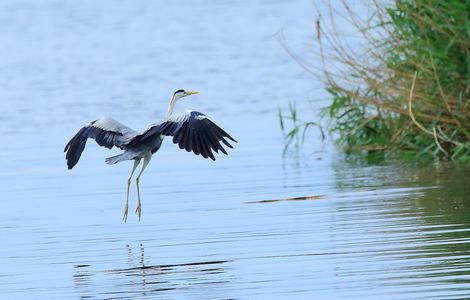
pixel 251 225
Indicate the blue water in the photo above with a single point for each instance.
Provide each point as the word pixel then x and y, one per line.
pixel 210 230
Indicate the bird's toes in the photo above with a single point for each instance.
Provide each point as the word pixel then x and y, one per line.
pixel 124 217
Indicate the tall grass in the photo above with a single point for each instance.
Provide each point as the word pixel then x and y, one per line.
pixel 408 88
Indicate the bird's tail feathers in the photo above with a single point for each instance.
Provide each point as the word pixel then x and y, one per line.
pixel 121 157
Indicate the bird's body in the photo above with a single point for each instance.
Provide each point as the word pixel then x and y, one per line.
pixel 191 130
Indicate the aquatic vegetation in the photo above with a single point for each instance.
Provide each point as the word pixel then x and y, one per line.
pixel 299 127
pixel 405 87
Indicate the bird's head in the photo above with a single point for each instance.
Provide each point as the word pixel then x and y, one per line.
pixel 182 93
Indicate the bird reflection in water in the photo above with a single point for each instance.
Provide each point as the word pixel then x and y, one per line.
pixel 142 278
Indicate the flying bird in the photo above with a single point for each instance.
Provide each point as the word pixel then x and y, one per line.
pixel 191 130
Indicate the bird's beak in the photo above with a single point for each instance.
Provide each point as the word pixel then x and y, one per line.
pixel 192 93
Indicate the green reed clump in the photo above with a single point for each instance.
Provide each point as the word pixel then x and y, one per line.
pixel 408 89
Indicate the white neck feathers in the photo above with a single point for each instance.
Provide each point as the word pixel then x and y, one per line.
pixel 171 105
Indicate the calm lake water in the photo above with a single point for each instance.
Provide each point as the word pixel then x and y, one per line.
pixel 252 225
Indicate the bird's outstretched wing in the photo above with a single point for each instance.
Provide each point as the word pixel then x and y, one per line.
pixel 105 131
pixel 192 131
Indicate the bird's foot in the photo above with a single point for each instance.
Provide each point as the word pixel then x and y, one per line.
pixel 138 210
pixel 126 208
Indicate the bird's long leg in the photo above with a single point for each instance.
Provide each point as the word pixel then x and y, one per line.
pixel 138 210
pixel 126 206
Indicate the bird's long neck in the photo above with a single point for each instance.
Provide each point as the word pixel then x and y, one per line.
pixel 171 105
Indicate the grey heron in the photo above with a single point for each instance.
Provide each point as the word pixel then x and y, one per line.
pixel 191 130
